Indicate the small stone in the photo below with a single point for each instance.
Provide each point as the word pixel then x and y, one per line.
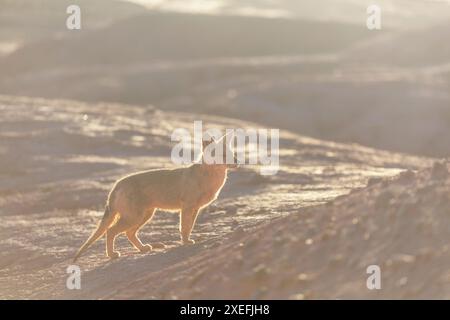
pixel 298 296
pixel 402 282
pixel 406 177
pixel 305 277
pixel 261 271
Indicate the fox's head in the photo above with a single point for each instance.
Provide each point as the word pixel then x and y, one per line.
pixel 219 153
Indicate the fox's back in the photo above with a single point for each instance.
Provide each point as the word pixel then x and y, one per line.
pixel 160 178
pixel 161 188
pixel 171 188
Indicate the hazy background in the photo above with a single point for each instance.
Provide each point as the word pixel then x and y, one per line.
pixel 308 66
pixel 103 101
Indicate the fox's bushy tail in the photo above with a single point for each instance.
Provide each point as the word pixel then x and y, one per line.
pixel 107 220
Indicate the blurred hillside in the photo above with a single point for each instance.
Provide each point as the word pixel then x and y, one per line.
pixel 323 75
pixel 398 14
pixel 25 21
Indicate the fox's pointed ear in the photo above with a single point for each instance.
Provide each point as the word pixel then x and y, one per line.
pixel 206 143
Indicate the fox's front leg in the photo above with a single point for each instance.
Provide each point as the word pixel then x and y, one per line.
pixel 187 220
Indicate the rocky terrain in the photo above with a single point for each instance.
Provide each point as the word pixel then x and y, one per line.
pixel 59 158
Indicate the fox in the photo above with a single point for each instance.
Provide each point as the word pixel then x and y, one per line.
pixel 133 200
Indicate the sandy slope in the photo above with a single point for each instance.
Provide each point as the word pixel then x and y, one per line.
pixel 59 158
pixel 400 224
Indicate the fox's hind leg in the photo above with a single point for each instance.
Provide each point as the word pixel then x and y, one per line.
pixel 111 235
pixel 132 232
pixel 187 221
